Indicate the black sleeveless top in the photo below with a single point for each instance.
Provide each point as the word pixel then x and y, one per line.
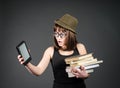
pixel 60 75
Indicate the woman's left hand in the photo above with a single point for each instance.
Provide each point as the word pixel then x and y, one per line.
pixel 79 72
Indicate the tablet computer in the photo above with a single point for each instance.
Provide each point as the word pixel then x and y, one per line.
pixel 23 51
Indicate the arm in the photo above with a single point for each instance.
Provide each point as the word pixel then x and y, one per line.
pixel 42 65
pixel 81 49
pixel 80 73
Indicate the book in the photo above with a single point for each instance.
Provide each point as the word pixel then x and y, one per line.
pixel 68 68
pixel 77 58
pixel 87 60
pixel 95 61
pixel 80 61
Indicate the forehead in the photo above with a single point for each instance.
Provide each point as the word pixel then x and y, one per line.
pixel 58 28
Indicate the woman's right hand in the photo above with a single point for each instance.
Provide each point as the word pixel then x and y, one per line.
pixel 20 59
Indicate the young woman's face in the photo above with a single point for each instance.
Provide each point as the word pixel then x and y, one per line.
pixel 60 36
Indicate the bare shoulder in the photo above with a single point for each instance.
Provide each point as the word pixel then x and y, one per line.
pixel 50 48
pixel 79 45
pixel 81 48
pixel 50 51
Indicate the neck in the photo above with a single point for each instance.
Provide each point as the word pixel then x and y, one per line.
pixel 63 48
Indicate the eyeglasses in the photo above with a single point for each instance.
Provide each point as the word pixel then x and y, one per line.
pixel 61 35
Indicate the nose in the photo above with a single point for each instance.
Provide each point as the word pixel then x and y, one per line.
pixel 59 37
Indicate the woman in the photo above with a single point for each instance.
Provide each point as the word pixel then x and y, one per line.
pixel 65 46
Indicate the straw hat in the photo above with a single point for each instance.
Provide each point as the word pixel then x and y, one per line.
pixel 67 21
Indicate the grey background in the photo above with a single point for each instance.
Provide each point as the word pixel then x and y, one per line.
pixel 33 21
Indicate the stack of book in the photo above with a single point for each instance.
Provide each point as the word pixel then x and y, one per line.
pixel 87 60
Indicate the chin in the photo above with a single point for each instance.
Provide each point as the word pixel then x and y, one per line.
pixel 60 45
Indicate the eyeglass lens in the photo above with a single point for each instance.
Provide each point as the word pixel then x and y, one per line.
pixel 61 35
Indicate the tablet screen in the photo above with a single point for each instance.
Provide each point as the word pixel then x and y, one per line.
pixel 24 51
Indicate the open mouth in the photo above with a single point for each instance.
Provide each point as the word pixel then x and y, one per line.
pixel 59 42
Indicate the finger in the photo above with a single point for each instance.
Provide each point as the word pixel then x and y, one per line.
pixel 19 56
pixel 77 75
pixel 82 67
pixel 73 70
pixel 21 62
pixel 79 70
pixel 20 59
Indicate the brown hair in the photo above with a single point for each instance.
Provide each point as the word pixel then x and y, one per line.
pixel 70 41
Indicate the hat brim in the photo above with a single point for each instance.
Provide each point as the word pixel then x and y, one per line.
pixel 62 24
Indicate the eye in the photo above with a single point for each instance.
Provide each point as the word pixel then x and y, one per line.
pixel 55 34
pixel 62 34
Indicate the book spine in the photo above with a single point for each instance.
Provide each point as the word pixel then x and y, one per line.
pixel 92 66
